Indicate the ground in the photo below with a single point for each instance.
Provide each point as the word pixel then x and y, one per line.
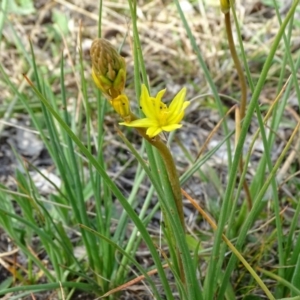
pixel 56 27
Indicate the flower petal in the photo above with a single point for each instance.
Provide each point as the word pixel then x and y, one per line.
pixel 145 122
pixel 177 107
pixel 175 118
pixel 158 105
pixel 153 131
pixel 160 94
pixel 177 102
pixel 147 103
pixel 171 127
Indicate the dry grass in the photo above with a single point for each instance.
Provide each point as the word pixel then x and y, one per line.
pixel 169 57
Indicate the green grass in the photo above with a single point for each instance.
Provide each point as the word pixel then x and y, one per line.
pixel 90 211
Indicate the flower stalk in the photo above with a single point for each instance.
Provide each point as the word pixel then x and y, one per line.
pixel 238 66
pixel 174 182
pixel 160 117
pixel 171 170
pixel 225 7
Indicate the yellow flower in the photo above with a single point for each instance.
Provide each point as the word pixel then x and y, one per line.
pixel 108 68
pixel 160 117
pixel 121 106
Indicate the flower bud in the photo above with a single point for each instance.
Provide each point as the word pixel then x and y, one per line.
pixel 108 68
pixel 225 5
pixel 121 106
